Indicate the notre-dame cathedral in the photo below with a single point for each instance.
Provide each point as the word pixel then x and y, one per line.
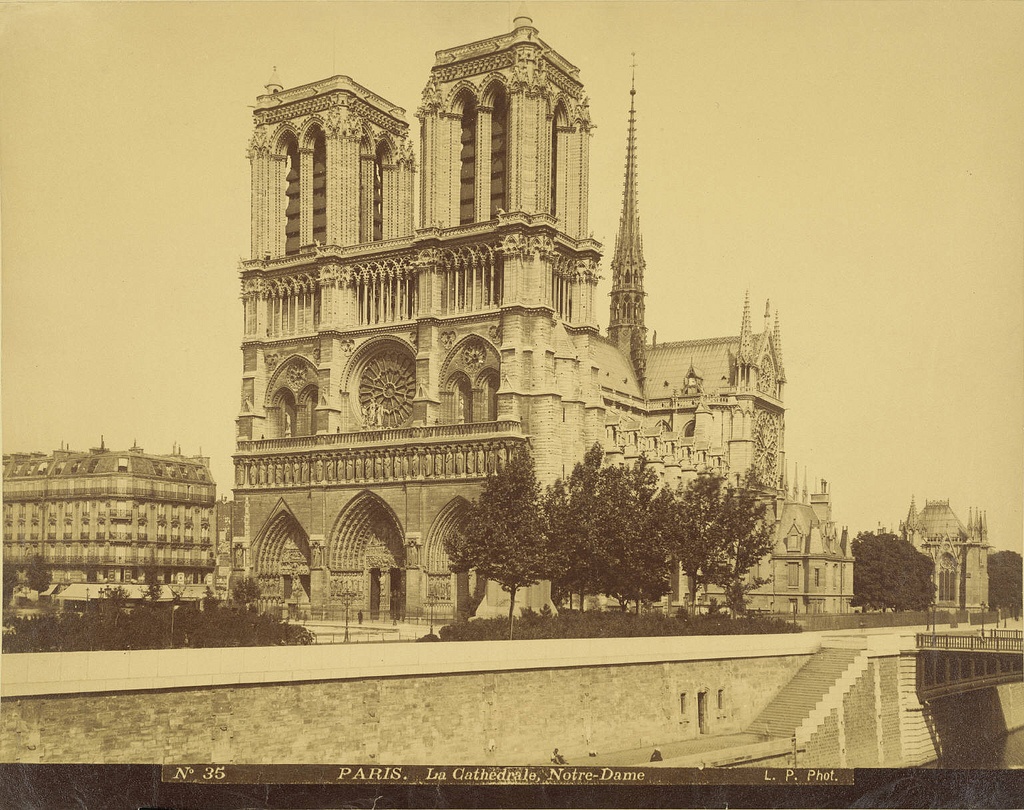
pixel 392 360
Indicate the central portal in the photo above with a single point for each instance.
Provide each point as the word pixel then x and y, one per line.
pixel 387 594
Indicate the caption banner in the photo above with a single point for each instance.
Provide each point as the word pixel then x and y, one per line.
pixel 497 775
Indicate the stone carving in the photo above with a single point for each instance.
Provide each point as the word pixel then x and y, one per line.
pixel 316 354
pixel 259 143
pixel 494 332
pixel 295 375
pixel 447 339
pixel 271 361
pixel 431 99
pixel 406 154
pixel 333 121
pixel 514 246
pixel 386 389
pixel 473 357
pixel 346 345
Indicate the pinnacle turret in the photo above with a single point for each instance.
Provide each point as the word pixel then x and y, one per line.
pixel 746 333
pixel 626 325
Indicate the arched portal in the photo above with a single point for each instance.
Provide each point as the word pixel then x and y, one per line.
pixel 281 563
pixel 366 558
pixel 453 593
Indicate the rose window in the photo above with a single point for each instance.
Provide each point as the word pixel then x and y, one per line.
pixel 386 390
pixel 766 448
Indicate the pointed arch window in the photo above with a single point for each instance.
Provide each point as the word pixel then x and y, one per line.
pixel 292 236
pixel 554 167
pixel 379 161
pixel 467 164
pixel 319 189
pixel 499 153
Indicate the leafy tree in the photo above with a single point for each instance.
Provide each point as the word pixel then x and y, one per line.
pixel 245 591
pixel 696 532
pixel 632 515
pixel 10 582
pixel 210 600
pixel 1004 581
pixel 888 572
pixel 749 535
pixel 154 590
pixel 37 576
pixel 572 521
pixel 503 537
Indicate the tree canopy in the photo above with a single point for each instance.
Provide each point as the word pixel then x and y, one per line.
pixel 246 591
pixel 572 514
pixel 37 575
pixel 503 536
pixel 1005 581
pixel 717 533
pixel 632 516
pixel 889 573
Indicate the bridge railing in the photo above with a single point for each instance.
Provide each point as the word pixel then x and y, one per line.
pixel 972 643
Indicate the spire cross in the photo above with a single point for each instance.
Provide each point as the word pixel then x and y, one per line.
pixel 632 83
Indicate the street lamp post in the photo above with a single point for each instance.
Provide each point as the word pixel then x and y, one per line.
pixel 347 598
pixel 431 600
pixel 174 609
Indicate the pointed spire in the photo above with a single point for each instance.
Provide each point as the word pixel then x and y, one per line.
pixel 626 325
pixel 777 340
pixel 746 333
pixel 803 493
pixel 273 84
pixel 767 314
pixel 796 482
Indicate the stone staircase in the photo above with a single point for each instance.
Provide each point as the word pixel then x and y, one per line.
pixel 791 706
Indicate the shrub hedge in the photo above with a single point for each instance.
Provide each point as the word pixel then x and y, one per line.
pixel 148 627
pixel 611 624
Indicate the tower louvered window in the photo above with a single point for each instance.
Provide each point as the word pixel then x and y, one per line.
pixel 499 152
pixel 319 190
pixel 293 193
pixel 378 193
pixel 467 163
pixel 554 167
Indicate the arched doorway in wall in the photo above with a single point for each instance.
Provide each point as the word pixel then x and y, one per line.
pixel 281 565
pixel 702 711
pixel 292 398
pixel 455 595
pixel 366 559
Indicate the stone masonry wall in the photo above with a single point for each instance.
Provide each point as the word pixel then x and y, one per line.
pixel 506 717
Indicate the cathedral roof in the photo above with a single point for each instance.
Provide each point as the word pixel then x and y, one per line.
pixel 617 372
pixel 937 519
pixel 669 363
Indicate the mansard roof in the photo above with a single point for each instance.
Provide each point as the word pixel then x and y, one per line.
pixel 937 519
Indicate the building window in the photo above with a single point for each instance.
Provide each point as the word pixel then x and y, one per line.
pixel 817 577
pixel 319 188
pixel 294 198
pixel 467 164
pixel 682 703
pixel 793 571
pixel 380 158
pixel 554 167
pixel 721 699
pixel 499 148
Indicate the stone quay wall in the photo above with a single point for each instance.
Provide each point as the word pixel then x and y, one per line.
pixel 451 703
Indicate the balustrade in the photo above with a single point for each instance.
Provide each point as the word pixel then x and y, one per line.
pixel 386 436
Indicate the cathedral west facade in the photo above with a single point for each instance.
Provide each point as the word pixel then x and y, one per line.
pixel 391 362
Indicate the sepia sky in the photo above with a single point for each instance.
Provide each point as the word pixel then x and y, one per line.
pixel 860 164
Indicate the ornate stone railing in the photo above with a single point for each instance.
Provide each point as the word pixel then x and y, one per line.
pixel 408 435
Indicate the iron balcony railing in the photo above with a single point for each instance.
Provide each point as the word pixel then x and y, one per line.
pixel 970 643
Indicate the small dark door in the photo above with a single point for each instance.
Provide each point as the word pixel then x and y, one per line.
pixel 374 594
pixel 702 712
pixel 397 593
